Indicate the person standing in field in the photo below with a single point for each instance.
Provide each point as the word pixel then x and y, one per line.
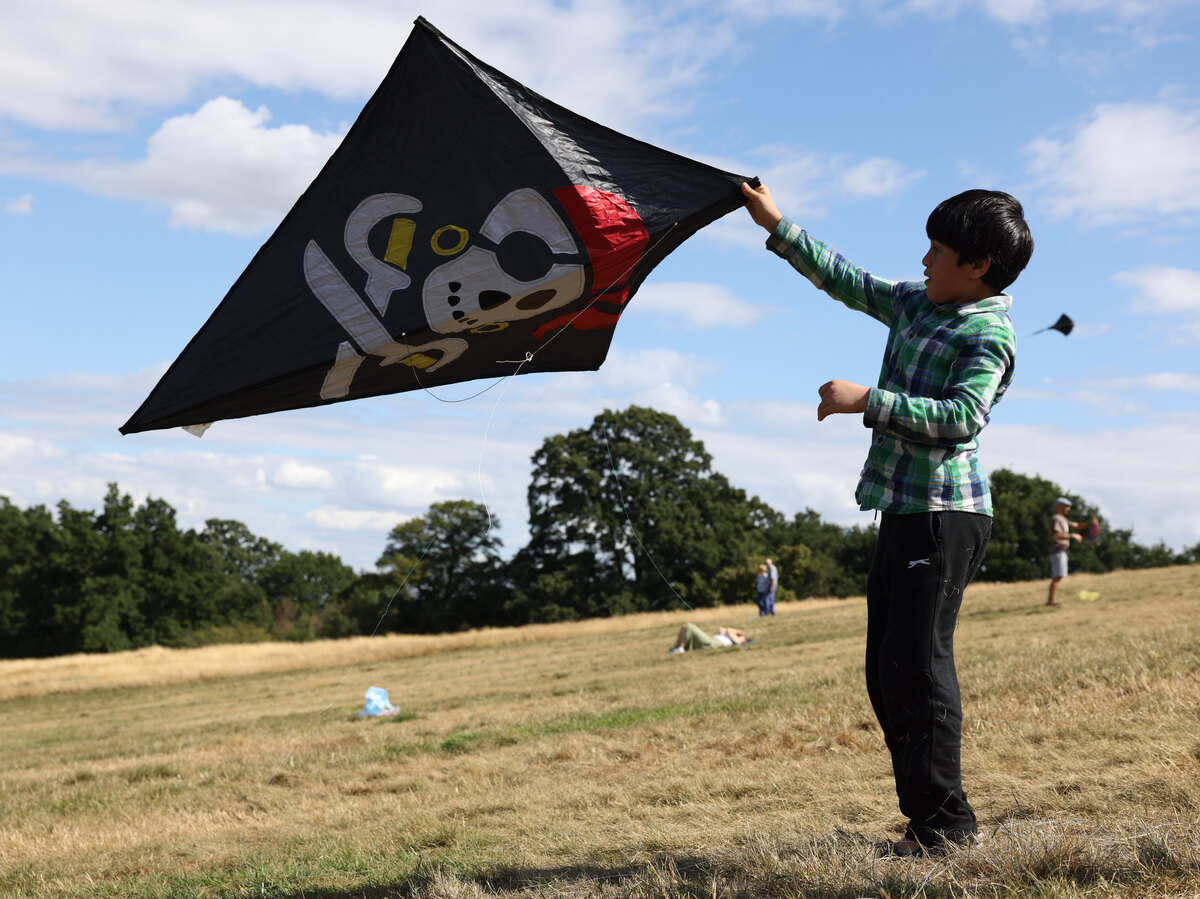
pixel 948 360
pixel 761 583
pixel 1060 542
pixel 772 586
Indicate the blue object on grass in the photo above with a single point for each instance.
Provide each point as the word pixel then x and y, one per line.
pixel 377 704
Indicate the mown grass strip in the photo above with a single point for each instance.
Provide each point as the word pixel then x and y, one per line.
pixel 614 719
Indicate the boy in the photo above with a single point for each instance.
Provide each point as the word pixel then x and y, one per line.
pixel 949 358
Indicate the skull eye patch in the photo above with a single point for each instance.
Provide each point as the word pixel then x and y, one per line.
pixel 524 256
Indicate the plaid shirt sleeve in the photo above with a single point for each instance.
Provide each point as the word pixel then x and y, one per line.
pixel 944 369
pixel 832 272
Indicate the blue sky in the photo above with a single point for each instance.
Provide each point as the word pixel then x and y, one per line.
pixel 148 149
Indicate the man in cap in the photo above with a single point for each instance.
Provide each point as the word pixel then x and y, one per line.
pixel 1060 541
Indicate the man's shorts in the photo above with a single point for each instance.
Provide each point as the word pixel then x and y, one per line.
pixel 1058 565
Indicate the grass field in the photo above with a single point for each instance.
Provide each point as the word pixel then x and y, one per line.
pixel 584 760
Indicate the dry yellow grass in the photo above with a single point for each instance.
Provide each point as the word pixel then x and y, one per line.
pixel 157 666
pixel 582 760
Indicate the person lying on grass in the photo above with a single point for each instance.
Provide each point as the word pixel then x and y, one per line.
pixel 692 637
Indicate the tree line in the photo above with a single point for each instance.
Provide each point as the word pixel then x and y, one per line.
pixel 625 516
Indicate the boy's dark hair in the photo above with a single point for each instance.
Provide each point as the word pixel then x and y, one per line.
pixel 984 224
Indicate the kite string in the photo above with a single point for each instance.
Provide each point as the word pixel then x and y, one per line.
pixel 529 356
pixel 629 520
pixel 404 581
pixel 289 754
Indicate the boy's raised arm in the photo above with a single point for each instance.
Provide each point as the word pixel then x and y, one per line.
pixel 836 396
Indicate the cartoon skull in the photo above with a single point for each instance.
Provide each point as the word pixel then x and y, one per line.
pixel 472 290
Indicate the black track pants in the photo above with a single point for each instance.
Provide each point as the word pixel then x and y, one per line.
pixel 923 562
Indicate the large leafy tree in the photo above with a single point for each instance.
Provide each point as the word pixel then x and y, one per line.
pixel 626 515
pixel 239 557
pixel 444 569
pixel 88 606
pixel 238 551
pixel 27 539
pixel 99 582
pixel 301 590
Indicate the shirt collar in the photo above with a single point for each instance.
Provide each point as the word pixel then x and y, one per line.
pixel 1001 302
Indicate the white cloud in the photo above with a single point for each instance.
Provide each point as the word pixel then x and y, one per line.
pixel 411 483
pixel 19 451
pixel 19 205
pixel 697 305
pixel 876 177
pixel 1158 382
pixel 1037 12
pixel 1014 12
pixel 1009 12
pixel 628 371
pixel 77 65
pixel 355 519
pixel 807 181
pixel 760 10
pixel 91 66
pixel 1126 162
pixel 1162 288
pixel 1169 291
pixel 299 475
pixel 805 184
pixel 221 168
pixel 779 452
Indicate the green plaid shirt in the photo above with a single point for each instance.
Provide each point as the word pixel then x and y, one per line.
pixel 944 368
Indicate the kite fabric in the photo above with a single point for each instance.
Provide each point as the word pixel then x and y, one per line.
pixel 465 228
pixel 1064 324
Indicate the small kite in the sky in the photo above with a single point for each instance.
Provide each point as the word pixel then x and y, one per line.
pixel 1064 324
pixel 466 227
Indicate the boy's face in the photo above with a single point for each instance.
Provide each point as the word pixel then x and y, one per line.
pixel 949 282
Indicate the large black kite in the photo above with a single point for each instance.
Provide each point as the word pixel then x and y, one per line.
pixel 466 227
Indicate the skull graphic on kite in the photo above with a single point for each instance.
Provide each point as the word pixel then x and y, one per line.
pixel 465 228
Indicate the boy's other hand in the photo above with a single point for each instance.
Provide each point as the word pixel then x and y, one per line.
pixel 761 206
pixel 841 396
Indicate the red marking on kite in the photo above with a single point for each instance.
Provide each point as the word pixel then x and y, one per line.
pixel 615 239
